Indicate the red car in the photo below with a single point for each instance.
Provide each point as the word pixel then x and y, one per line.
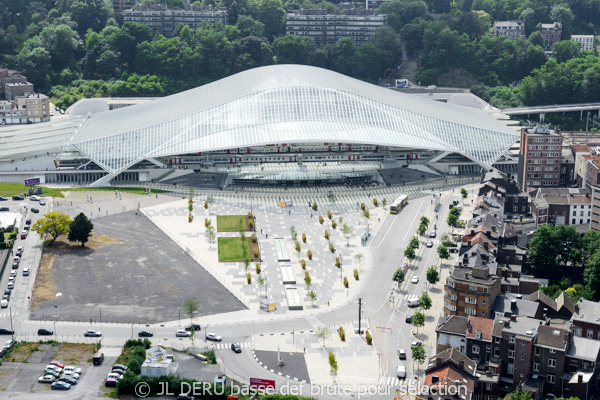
pixel 24 235
pixel 58 364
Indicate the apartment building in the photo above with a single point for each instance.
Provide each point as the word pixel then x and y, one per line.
pixel 595 217
pixel 551 33
pixel 561 206
pixel 471 291
pixel 540 153
pixel 121 5
pixel 451 368
pixel 161 19
pixel 586 319
pixel 325 28
pixel 25 110
pixel 587 41
pixel 495 183
pixel 549 355
pixel 509 29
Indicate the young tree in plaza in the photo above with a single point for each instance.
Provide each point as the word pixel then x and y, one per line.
pixel 54 224
pixel 464 193
pixel 191 306
pixel 80 229
pixel 347 231
pixel 313 296
pixel 425 301
pixel 261 281
pixel 358 258
pixel 210 234
pixel 323 333
pixel 293 232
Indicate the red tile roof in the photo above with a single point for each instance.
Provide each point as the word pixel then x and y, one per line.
pixel 448 377
pixel 485 325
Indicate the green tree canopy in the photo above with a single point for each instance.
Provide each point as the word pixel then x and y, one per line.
pixel 54 224
pixel 80 229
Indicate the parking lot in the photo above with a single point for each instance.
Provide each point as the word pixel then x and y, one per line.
pixel 139 275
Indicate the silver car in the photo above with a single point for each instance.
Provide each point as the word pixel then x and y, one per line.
pixel 182 333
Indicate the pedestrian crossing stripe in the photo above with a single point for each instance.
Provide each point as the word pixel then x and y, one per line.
pixel 7 314
pixel 222 346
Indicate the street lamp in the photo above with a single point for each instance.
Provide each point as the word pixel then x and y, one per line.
pixel 341 267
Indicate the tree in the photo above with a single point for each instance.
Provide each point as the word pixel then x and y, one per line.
pixel 418 354
pixel 313 296
pixel 191 306
pixel 398 276
pixel 410 253
pixel 54 224
pixel 80 229
pixel 358 258
pixel 565 50
pixel 271 13
pixel 292 49
pixel 452 220
pixel 464 193
pixel 418 320
pixel 424 221
pixel 591 273
pixel 432 275
pixel 422 229
pixel 323 333
pixel 261 281
pixel 569 241
pixel 307 281
pixel 210 234
pixel 210 200
pixel 414 242
pixel 293 232
pixel 543 249
pixel 425 301
pixel 384 202
pixel 333 364
pixel 443 252
pixel 347 231
pixel 519 394
pixel 445 239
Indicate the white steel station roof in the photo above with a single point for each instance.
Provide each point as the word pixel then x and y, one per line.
pixel 271 105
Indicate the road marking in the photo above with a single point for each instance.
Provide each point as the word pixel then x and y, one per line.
pixel 416 215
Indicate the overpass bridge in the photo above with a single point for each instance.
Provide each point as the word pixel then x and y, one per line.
pixel 581 107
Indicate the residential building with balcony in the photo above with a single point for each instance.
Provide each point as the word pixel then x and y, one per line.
pixel 160 19
pixel 509 29
pixel 540 152
pixel 586 319
pixel 325 28
pixel 471 291
pixel 549 355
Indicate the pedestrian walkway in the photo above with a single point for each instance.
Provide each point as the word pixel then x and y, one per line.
pixel 223 346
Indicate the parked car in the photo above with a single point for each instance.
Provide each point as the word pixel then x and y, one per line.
pixel 185 397
pixel 57 364
pixel 70 368
pixel 13 273
pixel 60 386
pixel 110 382
pixel 4 331
pixel 415 344
pixel 9 344
pixel 4 209
pixel 42 202
pixel 4 303
pixel 222 379
pixel 401 374
pixel 214 337
pixel 72 375
pixel 52 372
pixel 68 379
pixel 25 271
pixel 19 251
pixel 408 319
pixel 182 333
pixel 35 210
pixel 24 235
pixel 92 333
pixel 17 197
pixel 2 198
pixel 28 221
pixel 201 357
pixel 54 367
pixel 402 354
pixel 433 234
pixel 46 379
pixel 34 198
pixel 114 375
pixel 120 366
pixel 415 279
pixel 236 347
pixel 45 332
pixel 145 333
pixel 11 284
pixel 98 359
pixel 6 297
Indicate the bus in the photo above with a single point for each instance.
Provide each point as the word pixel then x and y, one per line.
pixel 397 205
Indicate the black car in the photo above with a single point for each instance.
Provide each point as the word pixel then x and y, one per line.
pixel 45 332
pixel 35 210
pixel 18 198
pixel 4 331
pixel 19 252
pixel 6 297
pixel 2 198
pixel 120 366
pixel 236 347
pixel 145 333
pixel 408 319
pixel 8 291
pixel 68 379
pixel 195 326
pixel 28 221
pixel 185 397
pixel 4 209
pixel 15 265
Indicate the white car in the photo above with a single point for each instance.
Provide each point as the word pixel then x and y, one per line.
pixel 46 379
pixel 214 337
pixel 72 374
pixel 42 202
pixel 25 271
pixel 430 243
pixel 70 368
pixel 182 333
pixel 34 198
pixel 415 279
pixel 114 375
pixel 401 374
pixel 414 344
pixel 54 367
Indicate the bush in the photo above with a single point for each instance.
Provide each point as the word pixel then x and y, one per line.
pixel 206 222
pixel 333 224
pixel 315 206
pixel 205 204
pixel 303 263
pixel 298 247
pixel 368 338
pixel 257 268
pixel 250 224
pixel 212 359
pixel 303 238
pixel 256 253
pixel 342 334
pixel 309 254
pixel 250 216
pixel 346 282
pixel 248 278
pixel 366 214
pixel 331 247
pixel 329 215
pixel 254 240
pixel 306 275
pixel 375 203
pixel 356 274
pixel 362 206
pixel 190 217
pixel 321 219
pixel 327 234
pixel 338 262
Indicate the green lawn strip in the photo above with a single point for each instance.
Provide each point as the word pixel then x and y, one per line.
pixel 12 189
pixel 232 249
pixel 232 223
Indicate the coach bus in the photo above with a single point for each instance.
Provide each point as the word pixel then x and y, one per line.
pixel 397 205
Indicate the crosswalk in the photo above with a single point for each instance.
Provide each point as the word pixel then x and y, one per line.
pixel 6 314
pixel 223 346
pixel 392 381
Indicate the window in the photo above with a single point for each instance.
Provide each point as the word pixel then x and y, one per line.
pixel 489 386
pixel 485 290
pixel 537 351
pixel 511 339
pixel 510 368
pixel 483 302
pixel 470 300
pixel 551 378
pixel 496 352
pixel 472 288
pixel 511 354
pixel 553 351
pixel 475 349
pixel 552 362
pixel 497 340
pixel 470 311
pixel 578 332
pixel 590 334
pixel 488 348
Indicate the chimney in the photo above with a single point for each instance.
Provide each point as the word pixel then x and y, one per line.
pixel 472 231
pixel 579 378
pixel 435 379
pixel 489 233
pixel 461 364
pixel 513 304
pixel 469 324
pixel 513 317
pixel 469 243
pixel 485 245
pixel 493 228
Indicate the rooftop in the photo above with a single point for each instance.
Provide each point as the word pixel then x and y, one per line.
pixel 453 324
pixel 450 377
pixel 550 336
pixel 523 326
pixel 482 326
pixel 511 305
pixel 587 311
pixel 583 348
